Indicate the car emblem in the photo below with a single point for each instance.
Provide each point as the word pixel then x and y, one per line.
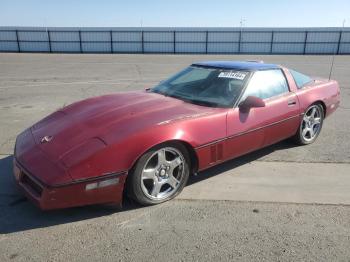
pixel 46 139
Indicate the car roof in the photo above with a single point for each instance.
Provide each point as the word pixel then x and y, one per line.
pixel 237 65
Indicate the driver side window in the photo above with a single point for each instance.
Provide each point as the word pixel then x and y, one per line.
pixel 267 83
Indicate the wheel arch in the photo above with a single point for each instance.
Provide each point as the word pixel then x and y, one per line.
pixel 192 153
pixel 298 137
pixel 320 102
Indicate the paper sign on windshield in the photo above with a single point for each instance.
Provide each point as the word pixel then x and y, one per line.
pixel 234 75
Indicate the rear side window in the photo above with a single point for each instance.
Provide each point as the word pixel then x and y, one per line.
pixel 300 79
pixel 266 84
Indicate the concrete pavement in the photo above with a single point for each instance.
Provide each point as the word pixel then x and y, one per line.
pixel 289 182
pixel 281 203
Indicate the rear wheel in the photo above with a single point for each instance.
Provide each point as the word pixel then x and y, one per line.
pixel 159 175
pixel 311 125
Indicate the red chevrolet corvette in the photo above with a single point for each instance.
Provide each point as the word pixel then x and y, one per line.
pixel 147 143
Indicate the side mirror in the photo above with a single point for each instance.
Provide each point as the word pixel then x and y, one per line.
pixel 251 102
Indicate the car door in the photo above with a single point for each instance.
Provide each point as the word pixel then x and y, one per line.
pixel 262 126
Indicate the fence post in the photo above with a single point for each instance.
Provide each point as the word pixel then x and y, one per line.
pixel 81 48
pixel 272 35
pixel 339 40
pixel 305 42
pixel 49 39
pixel 142 42
pixel 17 39
pixel 239 41
pixel 111 38
pixel 206 42
pixel 174 38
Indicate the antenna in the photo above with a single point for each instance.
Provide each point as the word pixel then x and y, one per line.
pixel 332 64
pixel 241 23
pixel 330 72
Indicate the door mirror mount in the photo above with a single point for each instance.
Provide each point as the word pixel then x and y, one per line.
pixel 251 102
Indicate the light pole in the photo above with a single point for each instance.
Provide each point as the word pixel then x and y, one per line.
pixel 241 23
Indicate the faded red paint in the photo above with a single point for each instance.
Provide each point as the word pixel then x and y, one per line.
pixel 104 136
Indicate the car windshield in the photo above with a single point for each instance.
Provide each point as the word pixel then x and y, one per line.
pixel 204 86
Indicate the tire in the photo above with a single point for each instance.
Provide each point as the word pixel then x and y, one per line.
pixel 159 175
pixel 310 125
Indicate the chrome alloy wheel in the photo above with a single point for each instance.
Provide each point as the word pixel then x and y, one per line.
pixel 162 173
pixel 311 124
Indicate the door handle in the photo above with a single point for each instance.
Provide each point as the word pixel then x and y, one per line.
pixel 291 102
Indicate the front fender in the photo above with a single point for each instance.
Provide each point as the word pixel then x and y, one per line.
pixel 123 154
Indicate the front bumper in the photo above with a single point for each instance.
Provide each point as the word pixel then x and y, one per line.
pixel 76 193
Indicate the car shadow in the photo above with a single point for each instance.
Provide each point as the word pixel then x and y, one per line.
pixel 231 164
pixel 18 214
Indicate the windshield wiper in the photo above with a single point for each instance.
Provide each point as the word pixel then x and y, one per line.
pixel 159 92
pixel 203 103
pixel 193 101
pixel 188 99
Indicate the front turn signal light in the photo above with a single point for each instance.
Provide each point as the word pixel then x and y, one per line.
pixel 104 183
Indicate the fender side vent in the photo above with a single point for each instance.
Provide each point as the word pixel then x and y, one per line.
pixel 220 149
pixel 213 154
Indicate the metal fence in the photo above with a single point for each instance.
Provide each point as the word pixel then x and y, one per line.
pixel 177 40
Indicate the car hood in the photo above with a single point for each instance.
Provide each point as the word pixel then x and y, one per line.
pixel 122 113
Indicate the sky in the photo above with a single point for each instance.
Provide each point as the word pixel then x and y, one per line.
pixel 175 13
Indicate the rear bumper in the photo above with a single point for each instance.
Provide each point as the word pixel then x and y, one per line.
pixel 333 102
pixel 77 193
pixel 332 106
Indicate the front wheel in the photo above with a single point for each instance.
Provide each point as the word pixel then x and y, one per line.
pixel 159 175
pixel 310 126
